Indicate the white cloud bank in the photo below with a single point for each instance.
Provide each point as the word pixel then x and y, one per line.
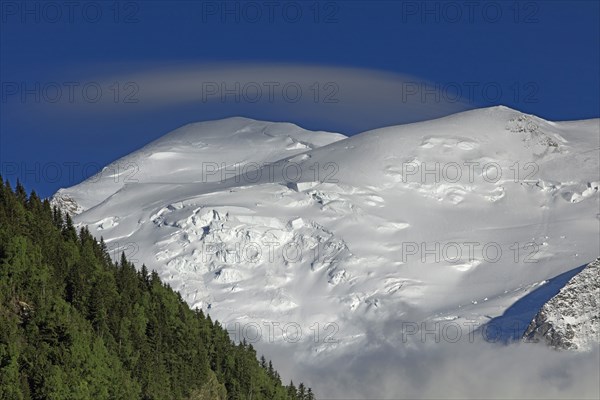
pixel 476 370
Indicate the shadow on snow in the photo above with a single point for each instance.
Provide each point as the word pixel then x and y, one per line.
pixel 511 325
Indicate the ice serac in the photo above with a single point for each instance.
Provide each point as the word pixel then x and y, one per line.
pixel 571 319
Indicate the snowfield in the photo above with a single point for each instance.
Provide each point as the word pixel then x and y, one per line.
pixel 340 251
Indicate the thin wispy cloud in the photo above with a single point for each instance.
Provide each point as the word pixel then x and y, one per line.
pixel 360 97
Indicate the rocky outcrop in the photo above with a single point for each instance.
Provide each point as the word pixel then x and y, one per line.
pixel 66 204
pixel 571 319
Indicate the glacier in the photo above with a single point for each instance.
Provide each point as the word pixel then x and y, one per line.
pixel 316 247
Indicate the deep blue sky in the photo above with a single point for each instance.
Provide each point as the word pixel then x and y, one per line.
pixel 543 56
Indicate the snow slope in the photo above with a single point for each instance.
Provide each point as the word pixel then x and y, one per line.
pixel 327 244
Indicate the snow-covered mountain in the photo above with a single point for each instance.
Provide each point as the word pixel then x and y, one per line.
pixel 571 319
pixel 181 156
pixel 326 244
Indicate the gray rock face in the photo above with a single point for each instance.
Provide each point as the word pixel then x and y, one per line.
pixel 571 319
pixel 65 203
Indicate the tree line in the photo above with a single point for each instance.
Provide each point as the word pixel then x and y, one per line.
pixel 76 325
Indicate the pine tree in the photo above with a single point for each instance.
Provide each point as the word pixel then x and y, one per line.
pixel 292 392
pixel 57 217
pixel 69 231
pixel 301 392
pixel 20 192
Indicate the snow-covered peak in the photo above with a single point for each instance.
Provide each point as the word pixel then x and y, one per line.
pixel 444 221
pixel 483 135
pixel 198 152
